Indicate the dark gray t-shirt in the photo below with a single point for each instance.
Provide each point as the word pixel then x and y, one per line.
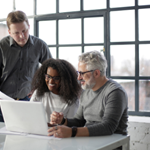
pixel 104 111
pixel 18 64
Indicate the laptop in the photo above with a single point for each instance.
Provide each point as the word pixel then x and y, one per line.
pixel 24 116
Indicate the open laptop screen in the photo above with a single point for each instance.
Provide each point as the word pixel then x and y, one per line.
pixel 23 116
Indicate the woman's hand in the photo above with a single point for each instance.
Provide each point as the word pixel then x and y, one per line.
pixel 60 131
pixel 56 118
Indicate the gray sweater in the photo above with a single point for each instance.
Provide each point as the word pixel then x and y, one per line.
pixel 104 111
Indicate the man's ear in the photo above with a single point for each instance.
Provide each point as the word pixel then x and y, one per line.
pixel 97 73
pixel 9 32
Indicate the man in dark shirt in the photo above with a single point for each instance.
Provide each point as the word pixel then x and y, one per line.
pixel 20 55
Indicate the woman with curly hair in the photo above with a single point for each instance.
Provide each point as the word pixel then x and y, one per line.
pixel 55 85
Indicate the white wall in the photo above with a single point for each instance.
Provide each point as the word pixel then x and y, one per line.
pixel 139 131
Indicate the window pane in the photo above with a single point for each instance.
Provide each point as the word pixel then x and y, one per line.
pixel 122 26
pixel 119 3
pixel 31 26
pixel 47 31
pixel 70 31
pixel 53 51
pixel 129 86
pixel 5 8
pixel 3 30
pixel 144 24
pixel 94 4
pixel 70 54
pixel 144 60
pixel 69 5
pixel 122 60
pixel 144 95
pixel 94 30
pixel 92 48
pixel 49 6
pixel 144 2
pixel 25 6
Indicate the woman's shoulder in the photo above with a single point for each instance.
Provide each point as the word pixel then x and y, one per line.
pixel 35 96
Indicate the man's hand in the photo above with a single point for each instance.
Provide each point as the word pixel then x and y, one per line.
pixel 56 118
pixel 60 131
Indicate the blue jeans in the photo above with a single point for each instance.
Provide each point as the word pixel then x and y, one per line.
pixel 23 99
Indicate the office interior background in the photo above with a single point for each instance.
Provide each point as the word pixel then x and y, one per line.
pixel 119 29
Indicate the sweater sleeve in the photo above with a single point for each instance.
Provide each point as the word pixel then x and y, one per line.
pixel 116 106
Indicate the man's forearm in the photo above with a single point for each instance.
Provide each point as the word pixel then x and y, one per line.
pixel 81 131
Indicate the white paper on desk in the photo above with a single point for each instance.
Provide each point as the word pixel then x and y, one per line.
pixel 5 131
pixel 4 96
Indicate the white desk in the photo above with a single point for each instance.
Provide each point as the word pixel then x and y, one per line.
pixel 15 142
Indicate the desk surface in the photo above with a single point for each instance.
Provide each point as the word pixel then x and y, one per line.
pixel 16 142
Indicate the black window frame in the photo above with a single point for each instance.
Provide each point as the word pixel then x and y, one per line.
pixel 107 43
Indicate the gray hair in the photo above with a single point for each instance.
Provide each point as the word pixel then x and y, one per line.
pixel 94 60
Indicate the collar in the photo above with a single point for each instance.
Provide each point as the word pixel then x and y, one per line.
pixel 12 42
pixel 30 41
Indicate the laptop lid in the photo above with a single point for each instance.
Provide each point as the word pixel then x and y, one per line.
pixel 24 116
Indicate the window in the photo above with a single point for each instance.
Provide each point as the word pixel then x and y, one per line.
pixel 122 25
pixel 3 29
pixel 5 8
pixel 118 29
pixel 68 35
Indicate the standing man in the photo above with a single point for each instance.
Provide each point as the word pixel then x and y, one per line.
pixel 103 103
pixel 20 55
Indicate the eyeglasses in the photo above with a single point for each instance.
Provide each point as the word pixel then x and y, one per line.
pixel 55 78
pixel 82 73
pixel 23 32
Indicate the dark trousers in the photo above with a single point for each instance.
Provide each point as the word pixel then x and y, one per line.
pixel 23 99
pixel 1 116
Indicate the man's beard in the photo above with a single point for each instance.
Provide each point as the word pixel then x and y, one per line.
pixel 90 84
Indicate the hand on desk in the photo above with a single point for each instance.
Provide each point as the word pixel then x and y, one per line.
pixel 56 118
pixel 60 131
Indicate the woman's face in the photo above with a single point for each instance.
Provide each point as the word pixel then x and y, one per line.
pixel 52 80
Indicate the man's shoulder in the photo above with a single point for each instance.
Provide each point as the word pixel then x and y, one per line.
pixel 5 40
pixel 36 40
pixel 113 86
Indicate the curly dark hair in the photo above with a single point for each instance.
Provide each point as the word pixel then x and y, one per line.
pixel 69 88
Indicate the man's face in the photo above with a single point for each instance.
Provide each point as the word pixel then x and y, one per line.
pixel 19 32
pixel 52 80
pixel 87 79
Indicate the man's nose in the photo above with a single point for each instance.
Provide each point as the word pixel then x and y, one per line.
pixel 21 35
pixel 79 77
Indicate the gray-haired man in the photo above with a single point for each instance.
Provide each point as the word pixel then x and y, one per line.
pixel 103 103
